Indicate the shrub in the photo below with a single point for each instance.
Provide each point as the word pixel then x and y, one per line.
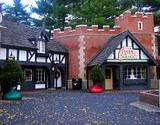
pixel 11 75
pixel 96 75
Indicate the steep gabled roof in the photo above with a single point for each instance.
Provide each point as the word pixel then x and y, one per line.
pixel 18 34
pixel 111 45
pixel 54 46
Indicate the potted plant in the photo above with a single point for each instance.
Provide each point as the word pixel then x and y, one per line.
pixel 97 77
pixel 11 75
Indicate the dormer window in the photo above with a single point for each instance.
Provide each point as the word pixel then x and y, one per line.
pixel 41 46
pixel 140 25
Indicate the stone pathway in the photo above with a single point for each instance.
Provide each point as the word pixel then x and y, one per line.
pixel 76 108
pixel 146 107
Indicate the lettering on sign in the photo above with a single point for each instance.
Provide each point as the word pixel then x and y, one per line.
pixel 128 53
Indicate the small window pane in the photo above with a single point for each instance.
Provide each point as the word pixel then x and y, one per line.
pixel 140 25
pixel 40 74
pixel 135 72
pixel 108 73
pixel 28 74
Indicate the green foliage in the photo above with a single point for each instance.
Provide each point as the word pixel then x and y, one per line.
pixel 91 12
pixel 17 12
pixel 96 12
pixel 54 12
pixel 125 4
pixel 153 3
pixel 44 9
pixel 96 75
pixel 11 74
pixel 157 18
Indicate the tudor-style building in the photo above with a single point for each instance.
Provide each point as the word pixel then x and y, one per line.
pixel 125 63
pixel 43 60
pixel 84 42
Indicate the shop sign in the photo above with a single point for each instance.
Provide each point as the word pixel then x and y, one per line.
pixel 127 53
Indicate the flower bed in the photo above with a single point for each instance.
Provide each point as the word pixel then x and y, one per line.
pixel 150 97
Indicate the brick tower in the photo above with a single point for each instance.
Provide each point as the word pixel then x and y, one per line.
pixel 84 42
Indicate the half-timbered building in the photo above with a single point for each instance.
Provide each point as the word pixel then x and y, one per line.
pixel 125 63
pixel 43 60
pixel 127 58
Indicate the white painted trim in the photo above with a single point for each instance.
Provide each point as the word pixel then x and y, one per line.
pixel 22 55
pixel 127 60
pixel 41 59
pixel 40 86
pixel 3 53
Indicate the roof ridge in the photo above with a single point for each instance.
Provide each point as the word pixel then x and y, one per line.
pixel 105 44
pixel 112 44
pixel 100 50
pixel 54 45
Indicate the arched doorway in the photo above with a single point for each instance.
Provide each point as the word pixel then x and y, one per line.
pixel 58 79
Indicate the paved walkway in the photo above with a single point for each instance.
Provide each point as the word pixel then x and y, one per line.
pixel 76 108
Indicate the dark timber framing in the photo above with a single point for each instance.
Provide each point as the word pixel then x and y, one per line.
pixel 119 67
pixel 20 38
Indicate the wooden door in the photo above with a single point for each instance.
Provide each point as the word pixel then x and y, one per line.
pixel 108 79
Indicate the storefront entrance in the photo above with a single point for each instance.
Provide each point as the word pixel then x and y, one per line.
pixel 112 81
pixel 108 79
pixel 125 63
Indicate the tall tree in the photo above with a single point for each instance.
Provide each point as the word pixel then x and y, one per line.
pixel 44 9
pixel 153 3
pixel 99 12
pixel 124 4
pixel 61 13
pixel 54 12
pixel 17 12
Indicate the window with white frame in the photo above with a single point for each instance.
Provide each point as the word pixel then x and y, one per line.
pixel 140 25
pixel 28 74
pixel 41 46
pixel 40 75
pixel 135 72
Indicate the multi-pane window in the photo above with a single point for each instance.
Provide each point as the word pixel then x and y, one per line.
pixel 28 74
pixel 41 46
pixel 40 75
pixel 136 72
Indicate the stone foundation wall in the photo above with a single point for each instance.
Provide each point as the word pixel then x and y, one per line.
pixel 154 83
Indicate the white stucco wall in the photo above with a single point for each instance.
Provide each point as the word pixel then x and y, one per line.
pixel 3 53
pixel 22 55
pixel 56 58
pixel 41 59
